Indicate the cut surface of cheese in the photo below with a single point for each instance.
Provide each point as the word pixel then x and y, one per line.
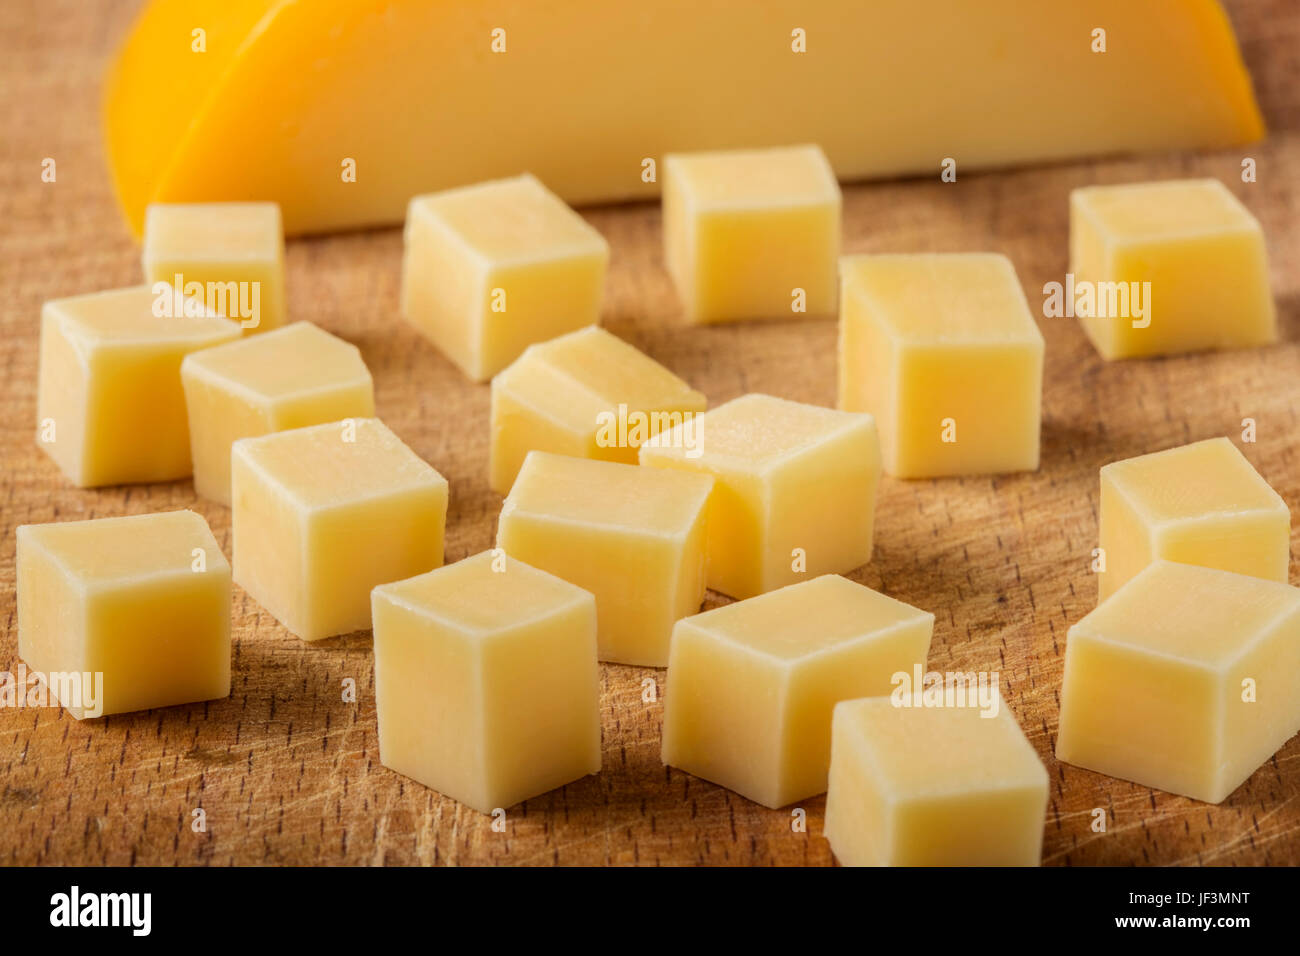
pixel 123 614
pixel 588 394
pixel 933 786
pixel 492 268
pixel 234 251
pixel 110 406
pixel 321 515
pixel 751 686
pixel 1177 266
pixel 342 111
pixel 794 493
pixel 1200 504
pixel 486 682
pixel 752 234
pixel 292 377
pixel 634 537
pixel 943 352
pixel 1186 679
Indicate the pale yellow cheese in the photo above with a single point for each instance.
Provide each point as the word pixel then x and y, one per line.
pixel 1201 504
pixel 486 682
pixel 751 686
pixel 342 111
pixel 752 234
pixel 587 394
pixel 110 407
pixel 492 268
pixel 634 537
pixel 943 351
pixel 228 255
pixel 1187 679
pixel 1176 266
pixel 320 515
pixel 933 786
pixel 795 490
pixel 123 614
pixel 288 378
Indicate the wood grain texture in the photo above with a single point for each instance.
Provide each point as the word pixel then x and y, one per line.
pixel 288 773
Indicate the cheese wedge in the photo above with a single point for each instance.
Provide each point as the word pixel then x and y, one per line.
pixel 342 111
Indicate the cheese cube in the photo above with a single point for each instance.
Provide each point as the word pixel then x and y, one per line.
pixel 321 515
pixel 491 269
pixel 942 350
pixel 123 614
pixel 291 377
pixel 110 408
pixel 1162 268
pixel 751 685
pixel 795 490
pixel 486 682
pixel 933 786
pixel 230 255
pixel 634 537
pixel 752 234
pixel 588 394
pixel 1187 679
pixel 1202 504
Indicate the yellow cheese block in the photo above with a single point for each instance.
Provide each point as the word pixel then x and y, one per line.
pixel 320 515
pixel 634 537
pixel 289 378
pixel 751 686
pixel 424 96
pixel 490 269
pixel 1187 679
pixel 933 786
pixel 752 234
pixel 123 614
pixel 230 255
pixel 1201 504
pixel 942 350
pixel 486 682
pixel 110 407
pixel 1162 268
pixel 587 394
pixel 795 492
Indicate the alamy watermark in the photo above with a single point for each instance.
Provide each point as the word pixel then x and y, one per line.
pixel 622 428
pixel 241 301
pixel 68 689
pixel 1098 300
pixel 947 689
pixel 133 911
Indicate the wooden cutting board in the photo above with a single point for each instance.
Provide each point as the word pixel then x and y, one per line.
pixel 287 772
